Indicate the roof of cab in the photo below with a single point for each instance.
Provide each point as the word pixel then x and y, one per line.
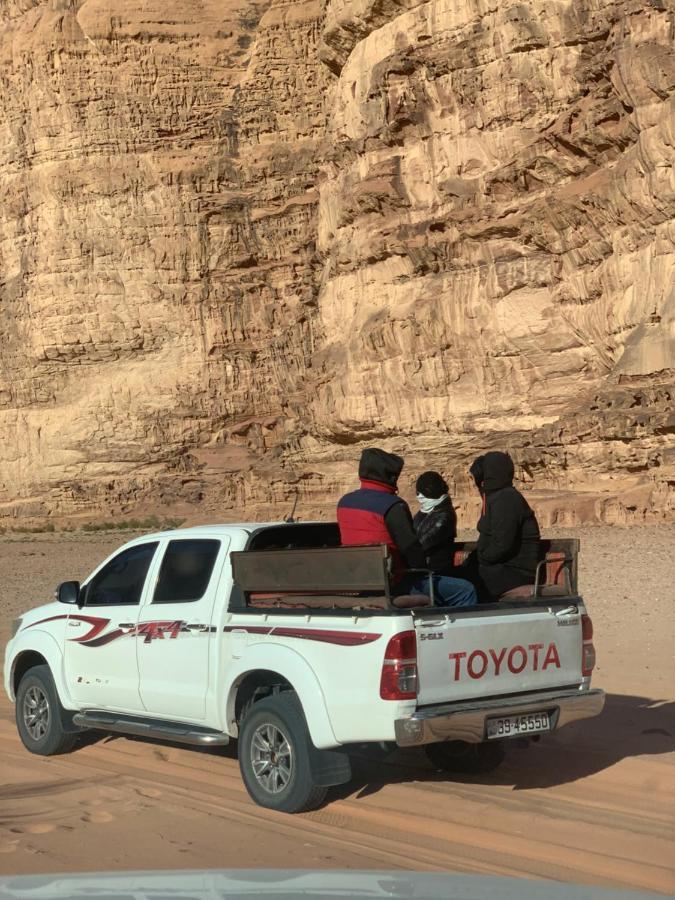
pixel 200 530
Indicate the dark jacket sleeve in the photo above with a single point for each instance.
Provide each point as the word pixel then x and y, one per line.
pixel 437 531
pixel 505 519
pixel 400 526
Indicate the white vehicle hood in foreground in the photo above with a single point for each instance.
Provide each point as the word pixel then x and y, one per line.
pixel 233 884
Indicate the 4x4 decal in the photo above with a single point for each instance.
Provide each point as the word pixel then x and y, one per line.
pixel 149 631
pixel 170 629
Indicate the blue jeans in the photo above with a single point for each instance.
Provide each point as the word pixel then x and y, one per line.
pixel 447 591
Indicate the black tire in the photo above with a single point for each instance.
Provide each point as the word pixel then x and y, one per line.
pixel 39 714
pixel 466 759
pixel 284 780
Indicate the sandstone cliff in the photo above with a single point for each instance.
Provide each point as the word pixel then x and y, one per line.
pixel 241 240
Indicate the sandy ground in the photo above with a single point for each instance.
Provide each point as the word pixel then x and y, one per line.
pixel 593 803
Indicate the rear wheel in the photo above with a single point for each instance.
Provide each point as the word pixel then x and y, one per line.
pixel 467 759
pixel 39 714
pixel 275 753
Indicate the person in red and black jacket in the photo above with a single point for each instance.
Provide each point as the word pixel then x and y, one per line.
pixel 375 514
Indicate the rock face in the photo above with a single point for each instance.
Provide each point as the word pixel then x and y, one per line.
pixel 239 241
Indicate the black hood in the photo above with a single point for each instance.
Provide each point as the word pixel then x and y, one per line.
pixel 497 471
pixel 378 465
pixel 476 469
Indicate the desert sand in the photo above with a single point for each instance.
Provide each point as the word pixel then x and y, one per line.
pixel 594 803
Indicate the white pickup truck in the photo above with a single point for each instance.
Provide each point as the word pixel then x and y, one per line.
pixel 277 636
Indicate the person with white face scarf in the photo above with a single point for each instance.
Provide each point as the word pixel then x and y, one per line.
pixel 436 522
pixel 375 514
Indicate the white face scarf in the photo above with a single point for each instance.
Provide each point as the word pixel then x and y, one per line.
pixel 429 504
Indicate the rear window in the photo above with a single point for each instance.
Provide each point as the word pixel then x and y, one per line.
pixel 296 536
pixel 186 571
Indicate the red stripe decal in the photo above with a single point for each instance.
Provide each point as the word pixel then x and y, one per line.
pixel 40 621
pixel 97 625
pixel 249 629
pixel 148 631
pixel 106 638
pixel 343 638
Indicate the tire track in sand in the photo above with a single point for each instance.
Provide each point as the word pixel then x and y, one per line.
pixel 603 829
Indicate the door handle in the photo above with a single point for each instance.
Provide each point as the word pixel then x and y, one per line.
pixel 72 624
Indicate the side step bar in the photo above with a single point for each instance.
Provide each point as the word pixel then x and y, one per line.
pixel 150 728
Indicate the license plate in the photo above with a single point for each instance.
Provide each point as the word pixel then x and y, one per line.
pixel 511 726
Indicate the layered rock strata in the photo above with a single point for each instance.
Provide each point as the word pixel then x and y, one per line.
pixel 238 242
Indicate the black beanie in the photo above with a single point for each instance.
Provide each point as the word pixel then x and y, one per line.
pixel 431 485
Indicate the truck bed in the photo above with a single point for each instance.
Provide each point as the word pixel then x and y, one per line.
pixel 327 577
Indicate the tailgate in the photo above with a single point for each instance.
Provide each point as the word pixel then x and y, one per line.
pixel 485 653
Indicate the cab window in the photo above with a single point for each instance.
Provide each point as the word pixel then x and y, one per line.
pixel 186 571
pixel 120 582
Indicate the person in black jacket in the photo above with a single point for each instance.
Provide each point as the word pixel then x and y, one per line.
pixel 436 522
pixel 508 543
pixel 375 514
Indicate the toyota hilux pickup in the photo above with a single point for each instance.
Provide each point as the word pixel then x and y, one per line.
pixel 278 637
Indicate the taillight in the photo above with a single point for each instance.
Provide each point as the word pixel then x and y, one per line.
pixel 586 628
pixel 587 648
pixel 399 668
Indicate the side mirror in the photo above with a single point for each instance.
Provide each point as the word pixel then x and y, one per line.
pixel 68 592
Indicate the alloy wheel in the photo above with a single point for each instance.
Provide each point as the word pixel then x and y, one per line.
pixel 36 712
pixel 271 758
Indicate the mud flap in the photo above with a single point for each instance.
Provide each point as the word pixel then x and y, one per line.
pixel 330 767
pixel 66 716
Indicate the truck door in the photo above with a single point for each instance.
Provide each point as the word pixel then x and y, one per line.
pixel 100 646
pixel 177 631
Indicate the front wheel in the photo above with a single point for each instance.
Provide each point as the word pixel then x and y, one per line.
pixel 275 752
pixel 460 757
pixel 38 714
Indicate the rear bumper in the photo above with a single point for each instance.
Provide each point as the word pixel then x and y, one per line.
pixel 466 721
